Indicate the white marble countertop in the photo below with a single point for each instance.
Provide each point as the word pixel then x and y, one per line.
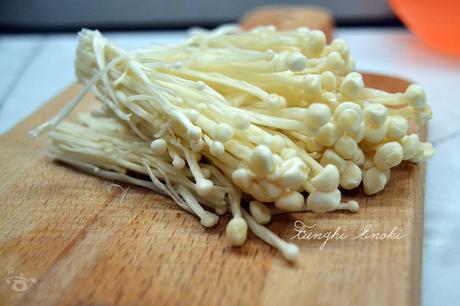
pixel 34 68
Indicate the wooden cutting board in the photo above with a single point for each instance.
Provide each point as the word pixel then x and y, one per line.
pixel 84 242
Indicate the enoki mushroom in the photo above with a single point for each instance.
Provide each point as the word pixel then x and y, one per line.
pixel 276 119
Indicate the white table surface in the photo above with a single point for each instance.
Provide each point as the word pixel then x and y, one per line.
pixel 34 68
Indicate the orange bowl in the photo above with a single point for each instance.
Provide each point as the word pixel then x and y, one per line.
pixel 437 23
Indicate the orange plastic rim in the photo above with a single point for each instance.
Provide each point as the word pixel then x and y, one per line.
pixel 437 23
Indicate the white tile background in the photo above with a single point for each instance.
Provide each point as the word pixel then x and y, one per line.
pixel 34 68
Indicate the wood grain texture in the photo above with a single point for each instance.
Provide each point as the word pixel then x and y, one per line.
pixel 85 246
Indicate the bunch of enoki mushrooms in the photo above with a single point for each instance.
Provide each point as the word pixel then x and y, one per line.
pixel 253 123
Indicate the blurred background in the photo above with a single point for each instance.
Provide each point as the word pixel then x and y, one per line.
pixel 38 41
pixel 71 15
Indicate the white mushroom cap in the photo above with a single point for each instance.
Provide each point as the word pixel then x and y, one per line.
pixel 334 61
pixel 318 115
pixel 296 61
pixel 315 44
pixel 388 155
pixel 376 134
pixel 242 178
pixel 358 158
pixel 352 85
pixel 359 134
pixel 351 177
pixel 260 212
pixel 375 114
pixel 348 116
pixel 321 202
pixel 410 145
pixel 204 187
pixel 293 173
pixel 397 127
pixel 374 181
pixel 346 147
pixel 328 80
pixel 290 201
pixel 237 231
pixel 415 96
pixel 330 157
pixel 327 180
pixel 223 133
pixel 262 162
pixel 159 146
pixel 327 135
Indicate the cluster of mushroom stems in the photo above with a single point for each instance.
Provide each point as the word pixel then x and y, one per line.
pixel 275 120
